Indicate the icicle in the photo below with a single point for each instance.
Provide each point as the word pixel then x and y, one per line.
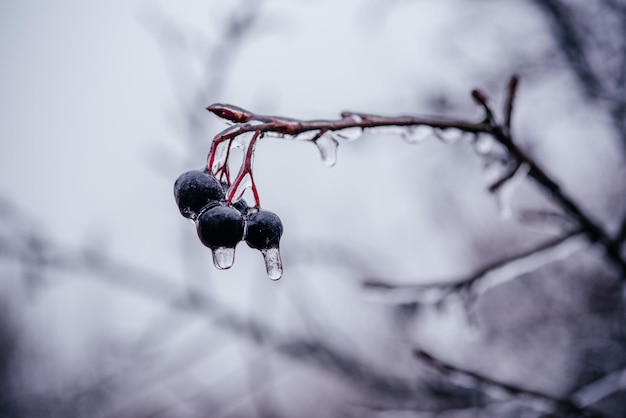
pixel 327 145
pixel 273 263
pixel 223 257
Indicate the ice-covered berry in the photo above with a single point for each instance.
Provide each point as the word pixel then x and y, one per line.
pixel 194 190
pixel 220 226
pixel 263 232
pixel 264 229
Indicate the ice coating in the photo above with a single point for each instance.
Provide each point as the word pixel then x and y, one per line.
pixel 221 150
pixel 223 257
pixel 327 145
pixel 219 158
pixel 307 135
pixel 449 135
pixel 241 188
pixel 273 263
pixel 349 134
pixel 416 134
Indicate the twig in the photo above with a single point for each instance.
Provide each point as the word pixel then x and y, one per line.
pixel 479 278
pixel 560 405
pixel 594 233
pixel 508 103
pixel 600 388
pixel 570 36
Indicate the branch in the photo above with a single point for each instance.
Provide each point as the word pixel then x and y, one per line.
pixel 246 122
pixel 465 377
pixel 161 289
pixel 571 42
pixel 600 388
pixel 485 278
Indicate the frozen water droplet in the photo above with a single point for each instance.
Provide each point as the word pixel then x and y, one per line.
pixel 416 134
pixel 483 144
pixel 223 257
pixel 327 145
pixel 449 136
pixel 307 135
pixel 273 263
pixel 349 134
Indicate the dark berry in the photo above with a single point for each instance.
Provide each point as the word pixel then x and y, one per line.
pixel 264 229
pixel 220 226
pixel 242 206
pixel 194 190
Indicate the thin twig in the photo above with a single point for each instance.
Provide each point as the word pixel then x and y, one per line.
pixel 508 103
pixel 561 405
pixel 449 287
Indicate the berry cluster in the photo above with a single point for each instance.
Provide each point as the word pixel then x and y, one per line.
pixel 221 224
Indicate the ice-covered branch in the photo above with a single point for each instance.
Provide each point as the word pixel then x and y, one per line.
pixel 247 127
pixel 495 389
pixel 485 278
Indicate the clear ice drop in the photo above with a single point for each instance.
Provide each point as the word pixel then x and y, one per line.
pixel 223 257
pixel 416 134
pixel 273 263
pixel 449 136
pixel 327 145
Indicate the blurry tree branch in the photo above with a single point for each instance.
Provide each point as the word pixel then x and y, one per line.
pixel 483 279
pixel 539 400
pixel 578 43
pixel 314 352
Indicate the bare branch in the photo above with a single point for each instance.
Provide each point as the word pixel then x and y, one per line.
pixel 197 302
pixel 571 42
pixel 485 278
pixel 508 103
pixel 539 399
